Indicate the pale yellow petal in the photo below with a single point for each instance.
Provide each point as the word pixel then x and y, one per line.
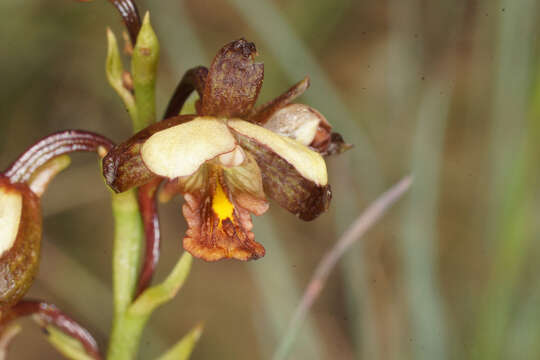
pixel 10 217
pixel 180 150
pixel 307 162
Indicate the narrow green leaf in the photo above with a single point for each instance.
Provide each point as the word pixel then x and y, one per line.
pixel 115 74
pixel 183 349
pixel 161 293
pixel 66 345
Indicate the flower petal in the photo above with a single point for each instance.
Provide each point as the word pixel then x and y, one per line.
pixel 193 80
pixel 218 227
pixel 308 126
pixel 292 174
pixel 307 162
pixel 20 240
pixel 123 167
pixel 182 149
pixel 245 184
pixel 296 121
pixel 10 216
pixel 334 146
pixel 234 81
pixel 263 113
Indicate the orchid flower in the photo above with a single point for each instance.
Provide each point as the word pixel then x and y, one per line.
pixel 229 157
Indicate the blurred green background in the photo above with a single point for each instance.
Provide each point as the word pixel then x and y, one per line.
pixel 446 90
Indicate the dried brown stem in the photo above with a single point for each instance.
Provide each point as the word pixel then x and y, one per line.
pixel 52 146
pixel 360 226
pixel 51 315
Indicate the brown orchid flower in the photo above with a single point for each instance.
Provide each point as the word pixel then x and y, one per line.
pixel 226 158
pixel 21 187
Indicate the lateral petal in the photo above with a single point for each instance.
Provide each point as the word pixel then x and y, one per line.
pixel 308 163
pixel 123 167
pixel 292 174
pixel 182 149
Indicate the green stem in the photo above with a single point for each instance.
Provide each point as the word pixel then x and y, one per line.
pixel 128 327
pixel 128 239
pixel 125 337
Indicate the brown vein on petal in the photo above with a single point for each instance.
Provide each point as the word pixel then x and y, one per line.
pixel 234 81
pixel 263 113
pixel 283 183
pixel 212 238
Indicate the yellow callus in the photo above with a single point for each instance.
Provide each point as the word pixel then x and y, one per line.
pixel 221 204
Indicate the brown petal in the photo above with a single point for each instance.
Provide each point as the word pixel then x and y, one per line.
pixel 285 184
pixel 130 16
pixel 263 113
pixel 334 146
pixel 234 81
pixel 193 80
pixel 19 258
pixel 218 227
pixel 123 167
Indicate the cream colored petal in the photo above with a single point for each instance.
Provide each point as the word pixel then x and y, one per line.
pixel 297 121
pixel 10 217
pixel 233 158
pixel 182 149
pixel 307 162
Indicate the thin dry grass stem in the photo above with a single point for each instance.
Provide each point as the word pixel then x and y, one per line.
pixel 358 228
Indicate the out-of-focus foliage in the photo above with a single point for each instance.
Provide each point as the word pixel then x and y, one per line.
pixel 445 89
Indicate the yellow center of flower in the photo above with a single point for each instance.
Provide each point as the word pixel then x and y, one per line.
pixel 221 204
